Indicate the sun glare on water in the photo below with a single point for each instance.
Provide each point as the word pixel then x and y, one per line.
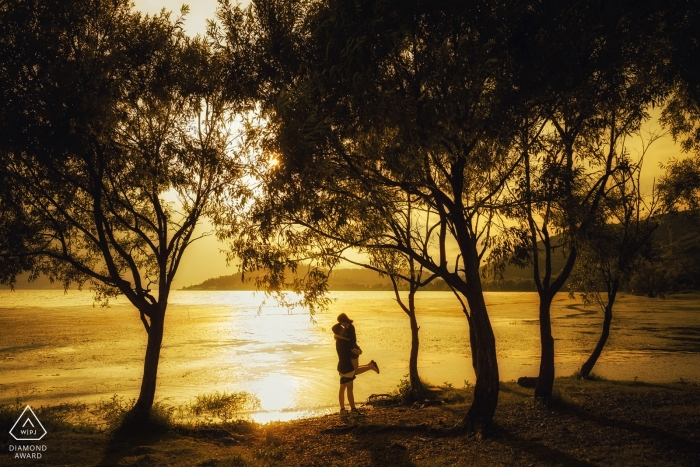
pixel 277 393
pixel 226 342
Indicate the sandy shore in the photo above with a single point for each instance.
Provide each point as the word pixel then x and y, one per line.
pixel 588 423
pixel 57 348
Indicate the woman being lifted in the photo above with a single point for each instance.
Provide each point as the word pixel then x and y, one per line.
pixel 348 361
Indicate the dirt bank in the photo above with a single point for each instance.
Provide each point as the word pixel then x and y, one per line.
pixel 588 423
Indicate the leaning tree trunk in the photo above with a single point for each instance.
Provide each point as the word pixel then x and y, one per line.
pixel 472 341
pixel 590 363
pixel 472 334
pixel 416 385
pixel 483 407
pixel 545 381
pixel 150 366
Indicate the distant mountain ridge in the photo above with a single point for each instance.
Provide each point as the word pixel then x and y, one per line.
pixel 340 279
pixel 676 269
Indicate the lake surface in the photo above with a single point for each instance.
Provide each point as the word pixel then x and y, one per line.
pixel 57 347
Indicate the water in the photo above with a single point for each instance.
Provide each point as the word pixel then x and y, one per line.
pixel 57 348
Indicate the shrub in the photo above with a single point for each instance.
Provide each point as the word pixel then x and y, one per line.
pixel 224 406
pixel 409 395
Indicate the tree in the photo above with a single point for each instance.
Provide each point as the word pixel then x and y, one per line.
pixel 680 186
pixel 601 76
pixel 115 144
pixel 372 99
pixel 618 241
pixel 412 274
pixel 385 258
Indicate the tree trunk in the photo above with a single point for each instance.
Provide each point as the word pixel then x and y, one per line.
pixel 545 382
pixel 483 407
pixel 472 342
pixel 590 363
pixel 416 385
pixel 150 366
pixel 472 334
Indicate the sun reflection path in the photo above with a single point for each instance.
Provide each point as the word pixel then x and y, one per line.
pixel 278 394
pixel 276 391
pixel 220 341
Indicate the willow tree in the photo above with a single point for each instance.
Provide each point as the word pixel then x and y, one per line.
pixel 618 240
pixel 680 185
pixel 582 89
pixel 405 226
pixel 366 103
pixel 114 146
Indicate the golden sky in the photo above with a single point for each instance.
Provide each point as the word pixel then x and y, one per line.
pixel 196 20
pixel 202 259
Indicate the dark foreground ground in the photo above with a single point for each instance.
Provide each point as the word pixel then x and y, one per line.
pixel 588 423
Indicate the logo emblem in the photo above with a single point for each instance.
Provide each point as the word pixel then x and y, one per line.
pixel 28 427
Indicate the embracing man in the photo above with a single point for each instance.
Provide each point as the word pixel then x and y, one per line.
pixel 348 361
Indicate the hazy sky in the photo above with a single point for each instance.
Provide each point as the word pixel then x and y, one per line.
pixel 195 21
pixel 203 259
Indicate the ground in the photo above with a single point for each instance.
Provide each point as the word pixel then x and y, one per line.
pixel 587 423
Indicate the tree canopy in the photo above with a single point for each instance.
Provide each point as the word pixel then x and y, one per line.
pixel 115 143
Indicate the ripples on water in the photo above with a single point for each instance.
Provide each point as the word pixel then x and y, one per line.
pixel 57 347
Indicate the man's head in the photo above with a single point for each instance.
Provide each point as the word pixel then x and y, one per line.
pixel 338 329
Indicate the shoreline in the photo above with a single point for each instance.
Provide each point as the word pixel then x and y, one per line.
pixel 218 341
pixel 587 423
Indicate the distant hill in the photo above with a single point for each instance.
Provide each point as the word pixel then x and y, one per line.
pixel 340 279
pixel 675 269
pixel 41 283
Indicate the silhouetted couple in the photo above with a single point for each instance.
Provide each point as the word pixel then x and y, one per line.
pixel 348 361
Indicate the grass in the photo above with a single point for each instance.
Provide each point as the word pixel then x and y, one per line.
pixel 114 414
pixel 223 406
pixel 408 395
pixel 106 433
pixel 587 423
pixel 74 417
pixel 273 449
pixel 426 394
pixel 234 461
pixel 591 376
